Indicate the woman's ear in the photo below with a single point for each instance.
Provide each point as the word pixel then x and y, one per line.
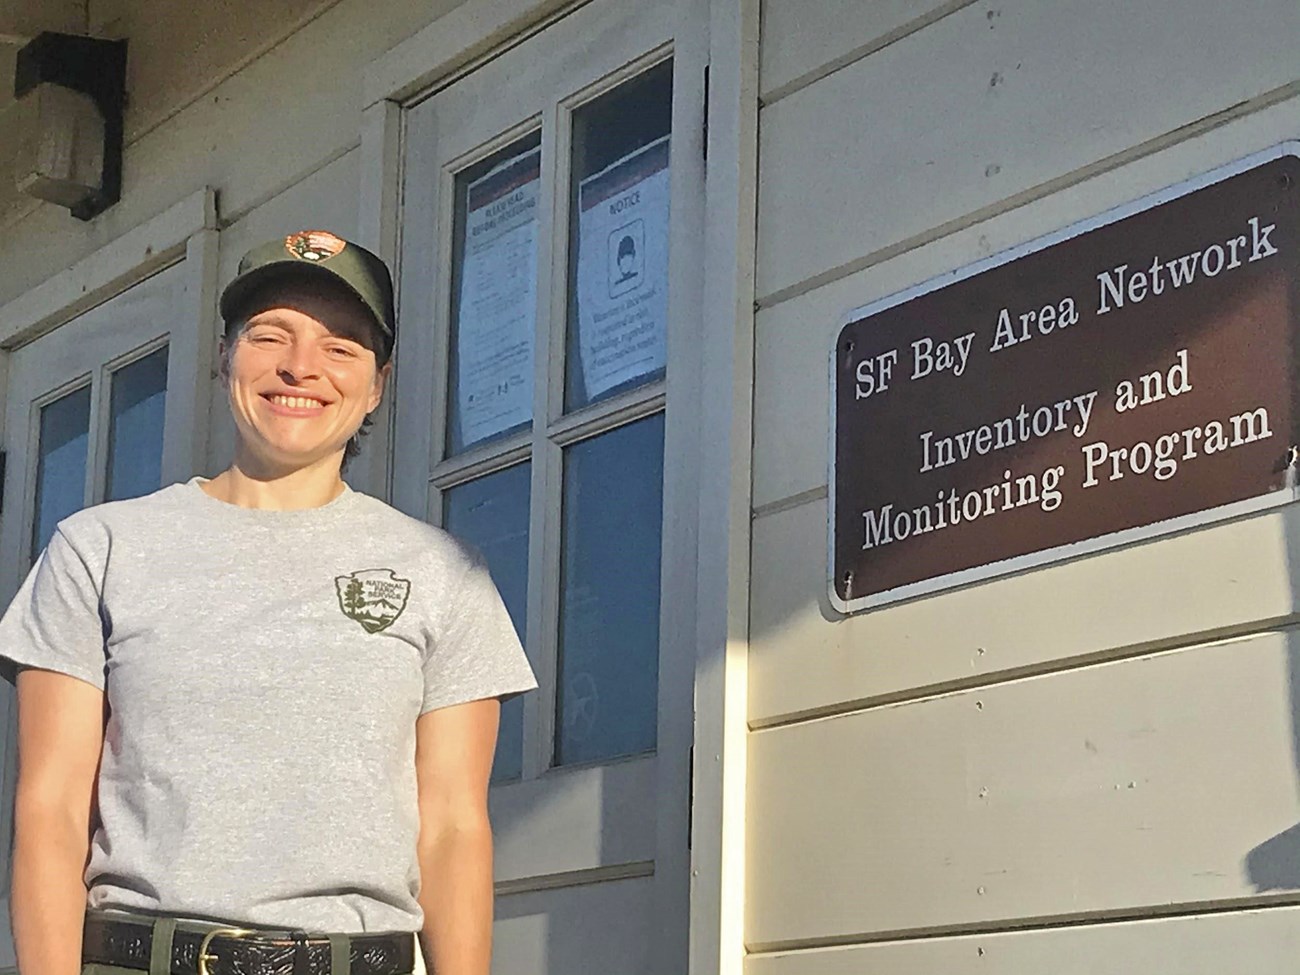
pixel 382 375
pixel 223 363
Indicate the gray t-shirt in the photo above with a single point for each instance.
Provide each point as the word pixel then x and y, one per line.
pixel 264 671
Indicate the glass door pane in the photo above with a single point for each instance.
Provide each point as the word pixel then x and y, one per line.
pixel 611 528
pixel 135 436
pixel 61 464
pixel 491 513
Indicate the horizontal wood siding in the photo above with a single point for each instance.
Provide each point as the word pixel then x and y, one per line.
pixel 1226 578
pixel 258 128
pixel 1094 764
pixel 958 116
pixel 1124 787
pixel 801 39
pixel 794 337
pixel 1262 942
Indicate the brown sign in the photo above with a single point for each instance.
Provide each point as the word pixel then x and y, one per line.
pixel 1116 379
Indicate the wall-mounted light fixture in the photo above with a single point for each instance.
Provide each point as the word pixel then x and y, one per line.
pixel 74 88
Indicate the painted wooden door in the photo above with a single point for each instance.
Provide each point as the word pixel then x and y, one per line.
pixel 86 415
pixel 551 212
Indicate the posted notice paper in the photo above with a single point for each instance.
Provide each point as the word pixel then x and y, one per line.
pixel 497 308
pixel 623 270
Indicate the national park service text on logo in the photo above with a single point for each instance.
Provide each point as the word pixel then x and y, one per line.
pixel 372 597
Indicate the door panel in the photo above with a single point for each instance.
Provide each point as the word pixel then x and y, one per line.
pixel 85 413
pixel 552 199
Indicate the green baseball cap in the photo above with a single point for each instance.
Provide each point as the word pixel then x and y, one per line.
pixel 316 255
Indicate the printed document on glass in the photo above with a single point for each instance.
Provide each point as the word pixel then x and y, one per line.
pixel 623 270
pixel 497 307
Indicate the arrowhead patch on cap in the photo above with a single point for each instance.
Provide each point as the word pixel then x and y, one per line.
pixel 314 245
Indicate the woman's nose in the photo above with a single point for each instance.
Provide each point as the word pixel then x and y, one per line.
pixel 299 362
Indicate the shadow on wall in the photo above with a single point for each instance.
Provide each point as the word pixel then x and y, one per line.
pixel 1275 863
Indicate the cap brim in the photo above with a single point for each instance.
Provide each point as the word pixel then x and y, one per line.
pixel 239 291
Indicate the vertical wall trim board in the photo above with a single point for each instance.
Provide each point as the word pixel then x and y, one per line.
pixel 727 357
pixel 379 228
pixel 193 347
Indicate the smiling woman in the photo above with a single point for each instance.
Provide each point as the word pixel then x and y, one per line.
pixel 302 700
pixel 304 369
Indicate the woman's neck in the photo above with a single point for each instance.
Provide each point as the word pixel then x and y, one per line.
pixel 307 487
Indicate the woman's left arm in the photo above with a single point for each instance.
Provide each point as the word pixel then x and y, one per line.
pixel 453 758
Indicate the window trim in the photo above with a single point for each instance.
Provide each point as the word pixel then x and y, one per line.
pixel 545 442
pixel 706 553
pixel 185 233
pixel 27 498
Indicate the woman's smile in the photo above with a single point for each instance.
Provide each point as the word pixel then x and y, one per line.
pixel 285 404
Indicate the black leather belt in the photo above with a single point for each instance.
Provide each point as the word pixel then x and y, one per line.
pixel 129 944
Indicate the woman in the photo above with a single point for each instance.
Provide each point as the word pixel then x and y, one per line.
pixel 262 702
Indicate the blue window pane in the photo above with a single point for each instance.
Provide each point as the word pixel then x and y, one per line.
pixel 135 437
pixel 61 464
pixel 609 603
pixel 491 513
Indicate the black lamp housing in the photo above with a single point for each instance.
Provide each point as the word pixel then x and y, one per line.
pixel 96 68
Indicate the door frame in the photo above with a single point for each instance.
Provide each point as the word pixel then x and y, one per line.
pixel 718 390
pixel 591 823
pixel 183 234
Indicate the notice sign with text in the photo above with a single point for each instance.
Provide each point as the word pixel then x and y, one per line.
pixel 1112 382
pixel 623 271
pixel 497 302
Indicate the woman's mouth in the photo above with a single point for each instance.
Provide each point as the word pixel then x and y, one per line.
pixel 294 404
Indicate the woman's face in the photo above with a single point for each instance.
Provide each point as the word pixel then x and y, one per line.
pixel 300 378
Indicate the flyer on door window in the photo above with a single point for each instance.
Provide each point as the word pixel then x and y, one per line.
pixel 497 300
pixel 623 271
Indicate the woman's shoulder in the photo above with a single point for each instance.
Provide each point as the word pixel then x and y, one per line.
pixel 150 508
pixel 397 526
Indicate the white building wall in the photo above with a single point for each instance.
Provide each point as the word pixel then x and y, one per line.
pixel 260 102
pixel 1076 768
pixel 249 99
pixel 272 123
pixel 1024 774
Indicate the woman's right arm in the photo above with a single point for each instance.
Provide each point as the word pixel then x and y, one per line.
pixel 60 736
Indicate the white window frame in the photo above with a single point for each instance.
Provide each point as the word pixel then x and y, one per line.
pixel 552 431
pixel 714 391
pixel 653 841
pixel 186 232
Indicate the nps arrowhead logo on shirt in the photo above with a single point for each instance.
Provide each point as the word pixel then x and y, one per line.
pixel 372 597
